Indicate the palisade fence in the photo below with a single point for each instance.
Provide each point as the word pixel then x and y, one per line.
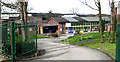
pixel 12 42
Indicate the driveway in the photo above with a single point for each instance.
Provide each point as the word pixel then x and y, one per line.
pixel 59 51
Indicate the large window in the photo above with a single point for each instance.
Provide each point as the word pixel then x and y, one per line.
pixel 72 24
pixel 66 28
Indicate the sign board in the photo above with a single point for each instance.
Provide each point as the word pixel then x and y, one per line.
pixel 29 14
pixel 68 24
pixel 60 29
pixel 4 16
pixel 30 29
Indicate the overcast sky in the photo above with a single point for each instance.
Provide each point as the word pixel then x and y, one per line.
pixel 64 6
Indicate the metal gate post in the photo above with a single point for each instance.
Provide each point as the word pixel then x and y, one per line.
pixel 36 35
pixel 13 44
pixel 118 44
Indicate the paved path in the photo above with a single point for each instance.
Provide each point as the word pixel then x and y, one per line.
pixel 59 51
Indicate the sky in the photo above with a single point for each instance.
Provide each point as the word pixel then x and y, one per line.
pixel 64 6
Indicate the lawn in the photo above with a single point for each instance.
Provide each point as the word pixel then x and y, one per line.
pixel 39 36
pixel 108 47
pixel 87 36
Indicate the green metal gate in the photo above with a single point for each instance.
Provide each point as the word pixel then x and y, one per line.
pixel 118 44
pixel 13 45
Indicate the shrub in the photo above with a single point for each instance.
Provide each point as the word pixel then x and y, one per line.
pixel 54 35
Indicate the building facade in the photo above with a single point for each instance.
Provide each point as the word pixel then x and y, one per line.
pixel 73 24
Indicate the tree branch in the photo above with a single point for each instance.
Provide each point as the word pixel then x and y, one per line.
pixel 96 3
pixel 12 6
pixel 85 3
pixel 110 4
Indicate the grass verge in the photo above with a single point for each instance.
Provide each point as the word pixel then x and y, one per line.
pixel 107 47
pixel 86 36
pixel 39 36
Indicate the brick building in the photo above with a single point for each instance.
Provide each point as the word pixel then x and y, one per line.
pixel 72 24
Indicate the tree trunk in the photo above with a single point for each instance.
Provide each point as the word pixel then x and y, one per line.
pixel 113 19
pixel 23 18
pixel 112 28
pixel 100 22
pixel 109 36
pixel 113 31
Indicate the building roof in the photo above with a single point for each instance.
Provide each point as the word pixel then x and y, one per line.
pixel 2 21
pixel 80 19
pixel 70 16
pixel 50 25
pixel 70 19
pixel 59 19
pixel 95 19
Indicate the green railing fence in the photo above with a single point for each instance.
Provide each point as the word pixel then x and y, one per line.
pixel 118 44
pixel 12 38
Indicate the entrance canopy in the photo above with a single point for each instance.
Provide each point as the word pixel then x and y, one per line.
pixel 50 28
pixel 50 25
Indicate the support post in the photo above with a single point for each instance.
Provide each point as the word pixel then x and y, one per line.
pixel 13 44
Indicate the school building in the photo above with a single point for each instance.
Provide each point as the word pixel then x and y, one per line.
pixel 65 25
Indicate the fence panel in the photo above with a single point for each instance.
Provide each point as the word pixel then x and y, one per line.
pixel 18 39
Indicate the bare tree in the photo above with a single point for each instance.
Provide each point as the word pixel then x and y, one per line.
pixel 74 10
pixel 112 27
pixel 50 14
pixel 23 17
pixel 22 6
pixel 113 17
pixel 98 5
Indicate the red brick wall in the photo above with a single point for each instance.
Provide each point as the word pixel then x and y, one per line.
pixel 60 27
pixel 52 21
pixel 115 11
pixel 64 29
pixel 108 27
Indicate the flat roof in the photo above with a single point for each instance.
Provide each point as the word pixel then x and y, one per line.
pixel 70 19
pixel 50 25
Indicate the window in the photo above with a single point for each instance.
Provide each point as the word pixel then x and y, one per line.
pixel 66 28
pixel 72 24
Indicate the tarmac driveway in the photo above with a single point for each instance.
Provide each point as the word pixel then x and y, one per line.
pixel 59 51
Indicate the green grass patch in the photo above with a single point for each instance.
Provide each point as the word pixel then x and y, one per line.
pixel 87 36
pixel 107 47
pixel 39 36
